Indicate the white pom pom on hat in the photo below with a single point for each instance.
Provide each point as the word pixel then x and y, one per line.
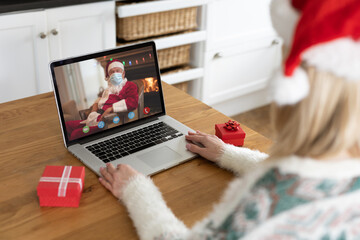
pixel 297 85
pixel 323 33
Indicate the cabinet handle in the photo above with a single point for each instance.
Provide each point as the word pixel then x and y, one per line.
pixel 275 42
pixel 252 47
pixel 218 55
pixel 54 32
pixel 42 35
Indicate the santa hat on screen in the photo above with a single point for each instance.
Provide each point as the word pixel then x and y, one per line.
pixel 112 64
pixel 324 34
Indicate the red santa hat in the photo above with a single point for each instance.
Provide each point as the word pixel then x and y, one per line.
pixel 112 64
pixel 324 34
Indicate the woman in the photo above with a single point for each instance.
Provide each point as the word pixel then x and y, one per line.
pixel 309 185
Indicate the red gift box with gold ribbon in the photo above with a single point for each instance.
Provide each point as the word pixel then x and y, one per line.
pixel 61 186
pixel 230 132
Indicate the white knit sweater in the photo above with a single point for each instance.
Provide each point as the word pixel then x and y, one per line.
pixel 292 198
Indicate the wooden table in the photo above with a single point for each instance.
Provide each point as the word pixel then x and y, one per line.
pixel 30 139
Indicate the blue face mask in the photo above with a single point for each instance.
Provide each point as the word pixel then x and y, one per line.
pixel 116 79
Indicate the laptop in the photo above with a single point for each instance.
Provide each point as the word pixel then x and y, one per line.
pixel 111 109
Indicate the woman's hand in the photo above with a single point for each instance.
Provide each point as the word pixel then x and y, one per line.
pixel 212 145
pixel 115 179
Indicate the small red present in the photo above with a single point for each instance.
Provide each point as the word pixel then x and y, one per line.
pixel 230 132
pixel 61 186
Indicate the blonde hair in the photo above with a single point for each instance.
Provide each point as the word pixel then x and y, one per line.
pixel 325 123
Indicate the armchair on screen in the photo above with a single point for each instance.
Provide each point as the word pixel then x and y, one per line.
pixel 70 111
pixel 122 115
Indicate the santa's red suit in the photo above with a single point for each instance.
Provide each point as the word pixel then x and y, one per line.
pixel 122 98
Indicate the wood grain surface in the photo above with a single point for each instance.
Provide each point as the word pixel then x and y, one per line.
pixel 30 139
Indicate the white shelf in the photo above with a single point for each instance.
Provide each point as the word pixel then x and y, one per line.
pixel 180 39
pixel 183 76
pixel 197 38
pixel 175 40
pixel 156 6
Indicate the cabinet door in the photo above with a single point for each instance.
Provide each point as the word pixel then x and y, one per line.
pixel 240 70
pixel 231 22
pixel 81 29
pixel 24 56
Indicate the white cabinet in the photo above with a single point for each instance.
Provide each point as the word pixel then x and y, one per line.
pixel 240 70
pixel 29 41
pixel 231 22
pixel 24 56
pixel 241 55
pixel 81 29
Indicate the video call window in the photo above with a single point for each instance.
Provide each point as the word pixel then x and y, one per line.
pixel 108 91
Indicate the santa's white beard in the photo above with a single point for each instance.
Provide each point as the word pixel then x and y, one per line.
pixel 115 89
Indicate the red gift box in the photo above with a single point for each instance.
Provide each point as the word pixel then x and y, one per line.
pixel 231 133
pixel 61 186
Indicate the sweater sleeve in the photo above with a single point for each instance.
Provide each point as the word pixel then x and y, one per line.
pixel 149 212
pixel 238 159
pixel 154 220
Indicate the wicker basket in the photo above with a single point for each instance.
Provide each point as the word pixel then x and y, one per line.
pixel 182 86
pixel 155 24
pixel 175 56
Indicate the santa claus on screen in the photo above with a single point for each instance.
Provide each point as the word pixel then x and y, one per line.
pixel 120 96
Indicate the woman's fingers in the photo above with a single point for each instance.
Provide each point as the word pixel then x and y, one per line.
pixel 201 133
pixel 111 169
pixel 195 149
pixel 211 147
pixel 107 176
pixel 195 138
pixel 197 133
pixel 106 184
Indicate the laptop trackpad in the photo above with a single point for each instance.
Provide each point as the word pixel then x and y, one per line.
pixel 159 156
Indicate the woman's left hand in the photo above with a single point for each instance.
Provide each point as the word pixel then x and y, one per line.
pixel 115 179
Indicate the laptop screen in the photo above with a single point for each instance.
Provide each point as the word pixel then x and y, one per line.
pixel 106 90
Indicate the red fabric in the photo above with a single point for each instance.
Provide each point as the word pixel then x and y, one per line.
pixel 322 21
pixel 299 4
pixel 48 191
pixel 129 92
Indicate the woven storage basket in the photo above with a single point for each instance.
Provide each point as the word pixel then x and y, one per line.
pixel 175 56
pixel 154 24
pixel 182 86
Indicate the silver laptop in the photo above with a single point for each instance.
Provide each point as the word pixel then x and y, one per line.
pixel 111 109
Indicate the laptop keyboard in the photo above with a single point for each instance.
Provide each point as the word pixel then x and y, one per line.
pixel 132 142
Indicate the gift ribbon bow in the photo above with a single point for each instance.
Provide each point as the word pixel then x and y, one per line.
pixel 232 125
pixel 64 181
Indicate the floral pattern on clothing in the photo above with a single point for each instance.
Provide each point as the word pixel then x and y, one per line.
pixel 276 193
